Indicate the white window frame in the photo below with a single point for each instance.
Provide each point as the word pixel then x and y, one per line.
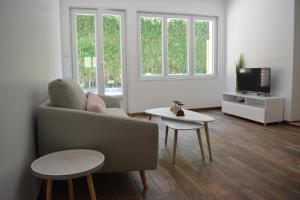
pixel 98 12
pixel 191 68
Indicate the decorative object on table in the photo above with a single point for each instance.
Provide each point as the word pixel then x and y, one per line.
pixel 177 108
pixel 66 165
pixel 239 65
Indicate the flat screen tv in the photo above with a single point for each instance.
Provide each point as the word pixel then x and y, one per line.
pixel 254 80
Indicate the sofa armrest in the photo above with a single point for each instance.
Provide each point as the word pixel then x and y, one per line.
pixel 127 143
pixel 111 101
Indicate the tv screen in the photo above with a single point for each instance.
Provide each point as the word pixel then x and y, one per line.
pixel 254 79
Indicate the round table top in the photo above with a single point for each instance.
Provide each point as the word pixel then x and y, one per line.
pixel 189 116
pixel 68 164
pixel 182 125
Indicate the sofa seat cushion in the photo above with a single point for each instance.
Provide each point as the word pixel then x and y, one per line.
pixel 116 112
pixel 66 93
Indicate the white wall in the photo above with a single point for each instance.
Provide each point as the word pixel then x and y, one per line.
pixel 296 72
pixel 30 56
pixel 146 94
pixel 263 31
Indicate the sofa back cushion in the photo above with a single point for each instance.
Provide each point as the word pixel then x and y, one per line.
pixel 95 103
pixel 66 93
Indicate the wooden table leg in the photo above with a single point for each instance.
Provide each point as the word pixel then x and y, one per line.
pixel 143 177
pixel 174 146
pixel 208 140
pixel 71 189
pixel 49 190
pixel 166 136
pixel 91 187
pixel 200 143
pixel 150 117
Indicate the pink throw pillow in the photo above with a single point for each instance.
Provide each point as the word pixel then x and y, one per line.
pixel 95 103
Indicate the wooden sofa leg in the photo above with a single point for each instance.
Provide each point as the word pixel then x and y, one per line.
pixel 143 177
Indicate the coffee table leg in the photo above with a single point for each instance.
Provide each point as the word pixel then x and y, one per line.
pixel 71 190
pixel 200 143
pixel 144 179
pixel 49 190
pixel 208 140
pixel 91 187
pixel 150 117
pixel 166 137
pixel 174 146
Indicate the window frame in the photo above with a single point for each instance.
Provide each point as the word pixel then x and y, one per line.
pixel 98 13
pixel 123 61
pixel 191 69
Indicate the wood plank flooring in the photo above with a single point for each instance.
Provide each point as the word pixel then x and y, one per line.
pixel 250 161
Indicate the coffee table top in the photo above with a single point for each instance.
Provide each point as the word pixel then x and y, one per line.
pixel 190 116
pixel 68 164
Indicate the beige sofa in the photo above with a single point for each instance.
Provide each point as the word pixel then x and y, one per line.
pixel 127 143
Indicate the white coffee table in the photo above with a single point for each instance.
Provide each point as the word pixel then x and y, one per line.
pixel 184 121
pixel 66 165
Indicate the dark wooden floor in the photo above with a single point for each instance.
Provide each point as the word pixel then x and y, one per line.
pixel 250 162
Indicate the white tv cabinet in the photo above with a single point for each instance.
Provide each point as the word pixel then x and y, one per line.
pixel 264 109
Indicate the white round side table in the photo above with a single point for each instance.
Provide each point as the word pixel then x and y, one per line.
pixel 66 165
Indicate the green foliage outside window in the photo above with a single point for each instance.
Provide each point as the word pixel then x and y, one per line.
pixel 112 51
pixel 151 48
pixel 177 46
pixel 201 37
pixel 151 45
pixel 86 49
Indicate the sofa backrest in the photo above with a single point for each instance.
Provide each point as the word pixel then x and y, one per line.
pixel 66 93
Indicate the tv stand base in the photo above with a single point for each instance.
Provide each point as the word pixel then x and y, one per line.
pixel 263 94
pixel 262 109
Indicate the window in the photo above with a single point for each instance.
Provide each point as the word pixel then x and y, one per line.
pixel 86 51
pixel 112 54
pixel 203 46
pixel 98 48
pixel 151 45
pixel 177 46
pixel 174 46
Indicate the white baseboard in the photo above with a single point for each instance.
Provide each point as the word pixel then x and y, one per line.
pixel 295 123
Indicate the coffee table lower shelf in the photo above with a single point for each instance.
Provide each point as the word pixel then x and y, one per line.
pixel 180 125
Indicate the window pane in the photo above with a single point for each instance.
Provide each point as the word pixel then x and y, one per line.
pixel 151 45
pixel 203 47
pixel 86 53
pixel 112 54
pixel 177 46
